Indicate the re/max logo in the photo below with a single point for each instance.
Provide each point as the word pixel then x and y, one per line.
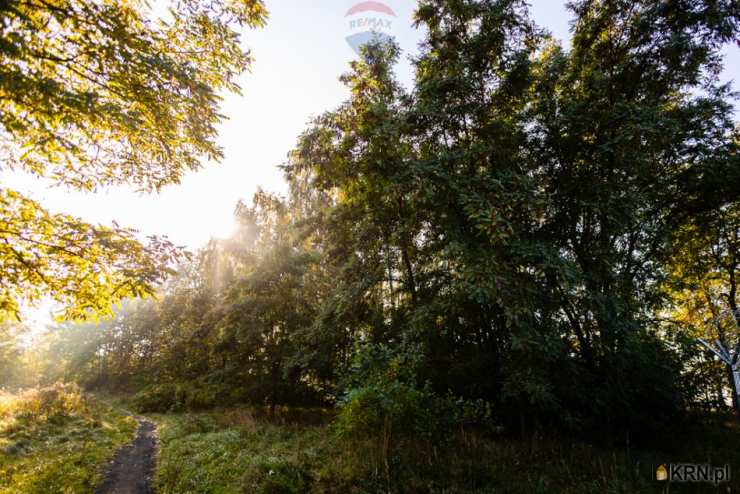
pixel 370 22
pixel 693 472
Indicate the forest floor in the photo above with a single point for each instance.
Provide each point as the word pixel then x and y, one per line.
pixel 130 471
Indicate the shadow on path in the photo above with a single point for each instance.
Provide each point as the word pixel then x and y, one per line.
pixel 131 469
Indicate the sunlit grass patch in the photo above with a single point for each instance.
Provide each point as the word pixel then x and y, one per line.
pixel 56 439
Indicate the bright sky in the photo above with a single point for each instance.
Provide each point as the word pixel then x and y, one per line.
pixel 299 57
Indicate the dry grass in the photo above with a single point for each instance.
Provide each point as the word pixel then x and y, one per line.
pixel 55 439
pixel 39 404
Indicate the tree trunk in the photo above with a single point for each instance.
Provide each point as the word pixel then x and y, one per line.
pixel 735 387
pixel 273 392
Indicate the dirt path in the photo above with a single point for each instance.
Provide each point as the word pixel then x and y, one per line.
pixel 131 469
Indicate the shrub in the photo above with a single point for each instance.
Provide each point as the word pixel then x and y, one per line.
pixel 158 398
pixel 43 404
pixel 385 403
pixel 178 397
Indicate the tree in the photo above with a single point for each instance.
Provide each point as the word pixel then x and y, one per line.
pixel 704 272
pixel 269 302
pixel 10 353
pixel 521 196
pixel 94 94
pixel 627 126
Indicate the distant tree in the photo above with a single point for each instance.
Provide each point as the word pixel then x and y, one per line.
pixel 10 353
pixel 94 94
pixel 269 302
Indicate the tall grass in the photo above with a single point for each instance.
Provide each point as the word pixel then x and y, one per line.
pixel 56 439
pixel 240 450
pixel 40 404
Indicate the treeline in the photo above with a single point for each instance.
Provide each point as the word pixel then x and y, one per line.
pixel 531 235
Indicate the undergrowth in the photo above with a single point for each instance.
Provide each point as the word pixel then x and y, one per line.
pixel 241 450
pixel 56 439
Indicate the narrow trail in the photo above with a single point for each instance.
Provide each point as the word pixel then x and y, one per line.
pixel 131 469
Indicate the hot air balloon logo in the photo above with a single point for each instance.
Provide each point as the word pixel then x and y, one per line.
pixel 369 21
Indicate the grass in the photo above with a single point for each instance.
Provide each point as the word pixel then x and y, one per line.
pixel 56 440
pixel 230 451
pixel 239 450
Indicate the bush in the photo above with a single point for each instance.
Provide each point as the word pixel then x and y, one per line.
pixel 158 398
pixel 179 397
pixel 43 404
pixel 402 409
pixel 207 393
pixel 385 403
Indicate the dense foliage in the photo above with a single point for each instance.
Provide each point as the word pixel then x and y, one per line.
pixel 94 94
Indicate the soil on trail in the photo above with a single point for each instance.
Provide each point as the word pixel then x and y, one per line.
pixel 131 469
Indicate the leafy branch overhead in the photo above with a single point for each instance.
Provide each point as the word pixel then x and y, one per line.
pixel 85 267
pixel 94 94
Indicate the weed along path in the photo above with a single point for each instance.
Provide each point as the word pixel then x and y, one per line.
pixel 131 469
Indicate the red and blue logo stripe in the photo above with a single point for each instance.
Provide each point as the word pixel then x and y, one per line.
pixel 370 7
pixel 369 21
